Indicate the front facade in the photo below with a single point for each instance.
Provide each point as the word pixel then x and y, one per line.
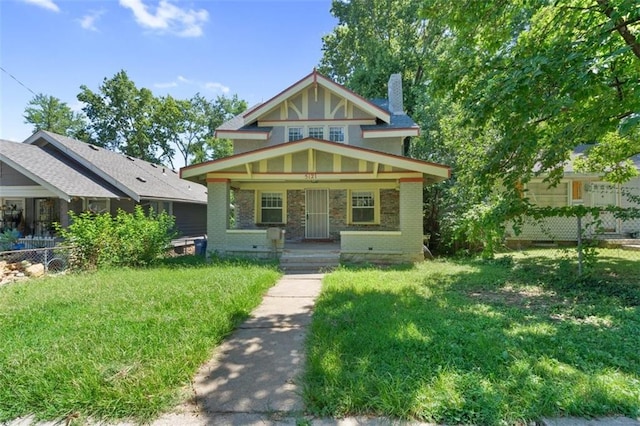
pixel 48 175
pixel 319 163
pixel 580 189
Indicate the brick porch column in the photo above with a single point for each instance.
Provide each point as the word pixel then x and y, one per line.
pixel 217 214
pixel 411 218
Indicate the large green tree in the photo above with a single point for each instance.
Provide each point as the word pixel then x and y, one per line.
pixel 121 118
pixel 542 77
pixel 49 113
pixel 217 112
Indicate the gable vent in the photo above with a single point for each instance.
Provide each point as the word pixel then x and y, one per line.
pixel 141 179
pixel 93 147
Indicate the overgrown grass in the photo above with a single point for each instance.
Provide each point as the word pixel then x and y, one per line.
pixel 117 344
pixel 472 342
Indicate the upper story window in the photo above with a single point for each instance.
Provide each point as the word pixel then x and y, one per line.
pixel 316 132
pixel 336 134
pixel 295 133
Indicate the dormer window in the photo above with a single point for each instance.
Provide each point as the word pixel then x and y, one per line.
pixel 295 133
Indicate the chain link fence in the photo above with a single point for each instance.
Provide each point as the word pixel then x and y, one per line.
pixel 607 230
pixel 33 262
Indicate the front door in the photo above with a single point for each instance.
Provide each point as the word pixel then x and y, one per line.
pixel 317 224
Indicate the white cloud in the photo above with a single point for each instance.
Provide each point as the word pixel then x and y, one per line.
pixel 46 4
pixel 181 80
pixel 216 87
pixel 168 18
pixel 88 22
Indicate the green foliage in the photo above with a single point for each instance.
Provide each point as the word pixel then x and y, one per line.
pixel 117 344
pixel 505 341
pixel 51 114
pixel 7 238
pixel 129 239
pixel 131 120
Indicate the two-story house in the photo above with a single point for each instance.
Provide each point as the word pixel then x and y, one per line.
pixel 322 163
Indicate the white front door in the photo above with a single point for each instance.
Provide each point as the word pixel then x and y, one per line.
pixel 605 194
pixel 317 206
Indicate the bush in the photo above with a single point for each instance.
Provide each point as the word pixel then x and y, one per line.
pixel 129 239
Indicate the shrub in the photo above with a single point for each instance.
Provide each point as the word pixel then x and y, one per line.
pixel 129 239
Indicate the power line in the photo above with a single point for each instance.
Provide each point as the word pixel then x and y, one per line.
pixel 18 81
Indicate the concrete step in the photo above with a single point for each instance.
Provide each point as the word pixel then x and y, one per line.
pixel 309 261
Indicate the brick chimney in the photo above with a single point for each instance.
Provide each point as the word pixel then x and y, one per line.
pixel 396 105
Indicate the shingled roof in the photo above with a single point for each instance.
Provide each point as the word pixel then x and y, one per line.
pixel 58 175
pixel 69 167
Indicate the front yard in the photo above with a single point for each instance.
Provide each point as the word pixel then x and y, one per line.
pixel 449 341
pixel 118 343
pixel 472 342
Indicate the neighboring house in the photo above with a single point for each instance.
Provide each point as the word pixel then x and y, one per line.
pixel 48 175
pixel 576 188
pixel 322 164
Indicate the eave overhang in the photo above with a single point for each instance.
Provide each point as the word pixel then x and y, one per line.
pixel 435 172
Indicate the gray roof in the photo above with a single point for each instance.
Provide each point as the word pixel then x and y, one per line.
pixel 237 123
pixel 583 149
pixel 58 175
pixel 398 121
pixel 97 172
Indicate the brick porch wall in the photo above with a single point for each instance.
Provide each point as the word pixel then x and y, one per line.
pixel 338 205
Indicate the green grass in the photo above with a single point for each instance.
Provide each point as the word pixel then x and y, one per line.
pixel 117 344
pixel 472 342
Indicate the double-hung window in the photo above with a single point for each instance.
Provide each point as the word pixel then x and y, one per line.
pixel 271 207
pixel 363 207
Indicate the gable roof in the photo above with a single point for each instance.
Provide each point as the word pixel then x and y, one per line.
pixel 437 172
pixel 582 150
pixel 122 176
pixel 313 78
pixel 58 175
pixel 245 124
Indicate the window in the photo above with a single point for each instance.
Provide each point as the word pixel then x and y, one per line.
pixel 271 207
pixel 160 206
pixel 363 207
pixel 295 133
pixel 543 196
pixel 336 134
pixel 576 190
pixel 98 206
pixel 316 132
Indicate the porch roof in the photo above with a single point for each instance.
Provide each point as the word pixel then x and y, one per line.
pixel 240 164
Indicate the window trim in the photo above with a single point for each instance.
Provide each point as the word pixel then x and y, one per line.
pixel 87 202
pixel 258 207
pixel 326 132
pixel 376 206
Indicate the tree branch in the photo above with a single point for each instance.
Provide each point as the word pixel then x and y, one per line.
pixel 621 27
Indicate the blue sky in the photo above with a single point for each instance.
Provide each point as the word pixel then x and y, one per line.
pixel 253 48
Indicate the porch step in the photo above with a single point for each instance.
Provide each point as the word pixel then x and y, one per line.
pixel 309 261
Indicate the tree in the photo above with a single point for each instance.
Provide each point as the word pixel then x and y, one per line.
pixel 219 111
pixel 49 113
pixel 121 119
pixel 543 77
